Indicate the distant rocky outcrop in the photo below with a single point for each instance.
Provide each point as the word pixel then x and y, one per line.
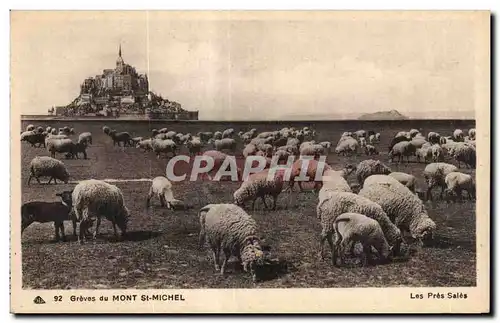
pixel 383 115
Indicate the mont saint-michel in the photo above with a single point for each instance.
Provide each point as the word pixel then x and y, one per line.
pixel 121 92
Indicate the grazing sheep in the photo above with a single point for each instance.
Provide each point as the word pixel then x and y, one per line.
pixel 205 136
pixel 424 153
pixel 136 140
pixel 435 175
pixel 313 167
pixel 407 180
pixel 225 144
pixel 163 130
pixel 413 132
pixel 44 212
pixel 162 188
pixel 85 138
pixel 347 146
pixel 194 146
pixel 370 167
pixel 145 144
pixel 343 202
pixel 457 182
pixel 437 153
pixel 249 150
pixel 401 149
pixel 397 140
pixel 163 146
pixel 354 227
pixel 259 185
pixel 33 138
pixel 119 137
pixel 44 166
pixel 315 150
pixel 465 153
pixel 229 228
pixel 97 199
pixel 402 206
pixel 371 150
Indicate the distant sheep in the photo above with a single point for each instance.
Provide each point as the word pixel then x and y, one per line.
pixel 162 188
pixel 435 175
pixel 44 166
pixel 457 182
pixel 402 149
pixel 370 167
pixel 259 185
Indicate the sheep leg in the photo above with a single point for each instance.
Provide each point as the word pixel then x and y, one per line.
pixel 148 198
pixel 275 199
pixel 300 186
pixel 227 255
pixel 322 244
pixel 263 198
pixel 429 193
pixel 29 179
pixel 329 238
pixel 115 231
pixel 83 229
pixel 216 253
pixel 61 228
pixel 73 220
pixel 162 199
pixel 97 227
pixel 201 238
pixel 364 255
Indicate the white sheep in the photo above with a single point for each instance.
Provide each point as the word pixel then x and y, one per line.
pixel 360 134
pixel 145 145
pixel 401 149
pixel 472 133
pixel 229 228
pixel 228 133
pixel 44 166
pixel 312 150
pixel 465 153
pixel 259 185
pixel 457 182
pixel 458 135
pixel 347 146
pixel 402 206
pixel 351 228
pixel 162 188
pixel 343 202
pixel 370 167
pixel 225 144
pixel 163 146
pixel 362 142
pixel 85 138
pixel 97 199
pixel 434 175
pixel 249 150
pixel 407 180
pixel 194 145
pixel 437 153
pixel 326 144
pixel 433 137
pixel 30 127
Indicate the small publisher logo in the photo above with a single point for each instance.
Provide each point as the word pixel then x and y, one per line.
pixel 38 300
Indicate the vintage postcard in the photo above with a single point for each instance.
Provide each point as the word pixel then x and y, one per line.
pixel 250 162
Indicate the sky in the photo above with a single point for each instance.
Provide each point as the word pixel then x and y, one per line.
pixel 254 66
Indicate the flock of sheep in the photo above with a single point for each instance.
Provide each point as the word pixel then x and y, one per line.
pixel 382 212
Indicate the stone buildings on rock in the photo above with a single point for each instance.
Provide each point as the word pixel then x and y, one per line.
pixel 124 93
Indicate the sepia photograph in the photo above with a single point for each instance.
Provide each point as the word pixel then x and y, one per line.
pixel 193 161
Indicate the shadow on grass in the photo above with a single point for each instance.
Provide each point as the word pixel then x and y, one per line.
pixel 138 236
pixel 444 242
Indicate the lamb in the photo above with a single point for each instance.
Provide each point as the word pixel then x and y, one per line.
pixel 259 185
pixel 44 212
pixel 342 202
pixel 407 180
pixel 33 138
pixel 435 175
pixel 119 137
pixel 401 149
pixel 465 153
pixel 194 146
pixel 44 166
pixel 371 150
pixel 354 227
pixel 225 144
pixel 163 146
pixel 162 188
pixel 370 167
pixel 457 182
pixel 313 166
pixel 230 228
pixel 403 207
pixel 97 199
pixel 85 138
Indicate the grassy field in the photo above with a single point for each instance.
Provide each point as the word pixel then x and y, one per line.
pixel 161 250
